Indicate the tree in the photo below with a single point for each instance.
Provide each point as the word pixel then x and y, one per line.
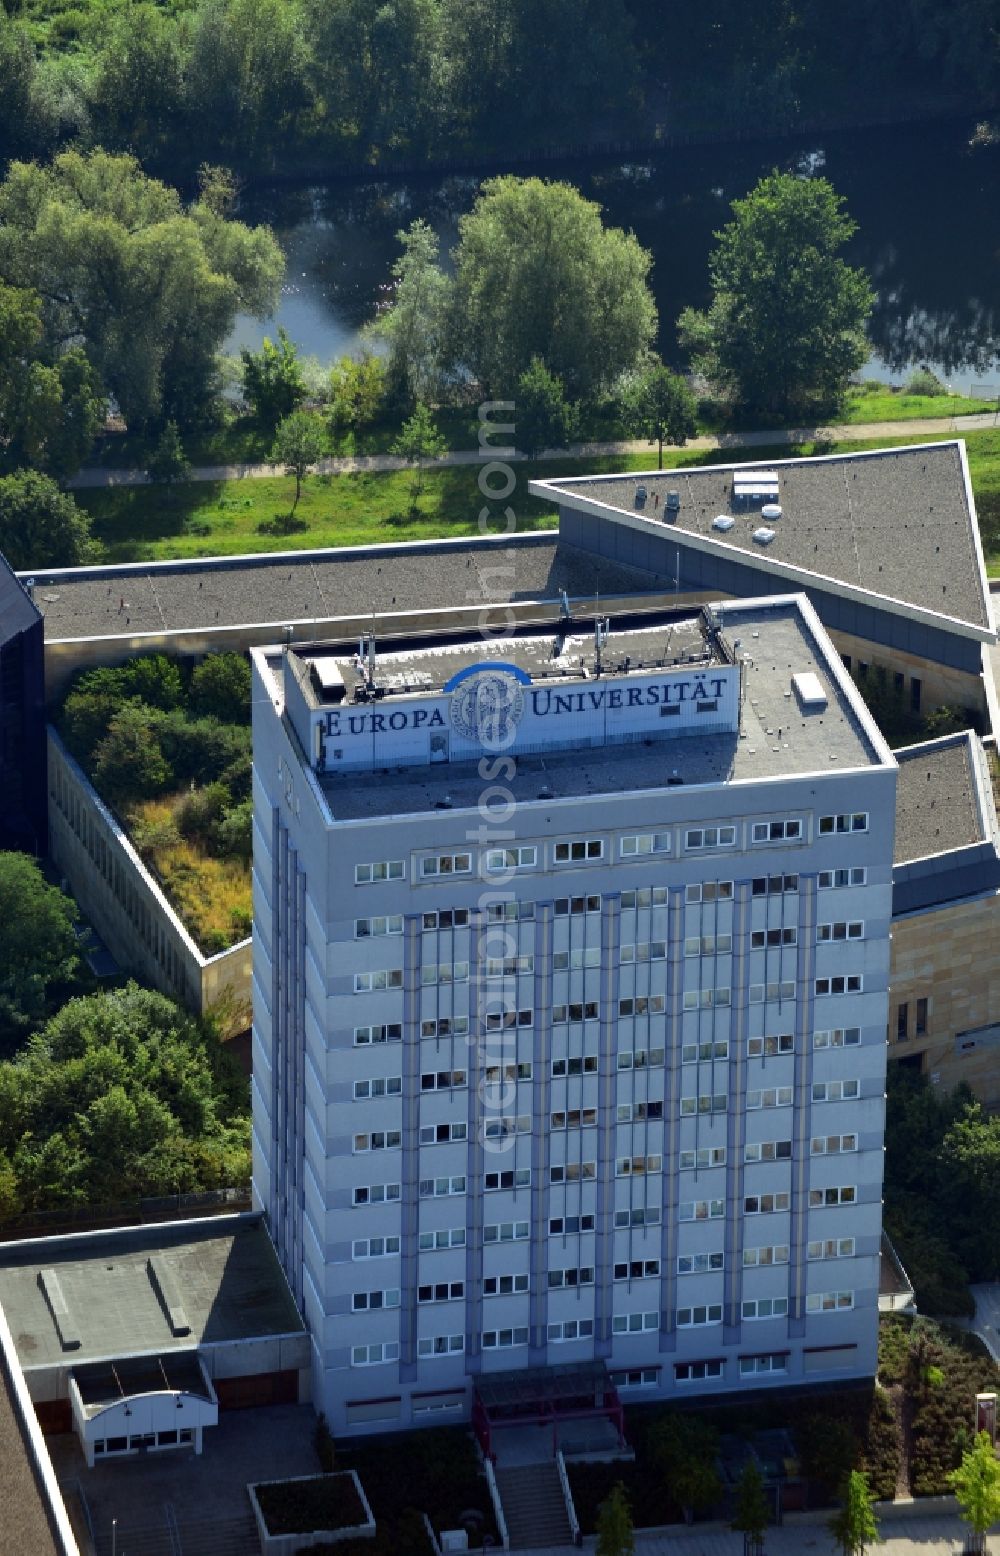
pixel 40 526
pixel 168 462
pixel 246 73
pixel 685 1452
pixel 220 687
pixel 136 92
pixel 415 323
pixel 614 1525
pixel 786 326
pixel 38 947
pixel 272 379
pixel 543 417
pixel 129 763
pixel 298 443
pixel 854 1527
pixel 537 274
pixel 148 288
pixel 358 388
pixel 121 1094
pixel 660 407
pixel 752 1512
pixel 419 441
pixel 976 1484
pixel 50 411
pixel 969 1171
pixel 381 86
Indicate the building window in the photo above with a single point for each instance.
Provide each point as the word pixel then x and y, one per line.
pixel 564 907
pixel 761 1258
pixel 579 958
pixel 504 859
pixel 643 951
pixel 707 945
pixel 442 1134
pixel 448 1237
pixel 845 1195
pixel 838 1037
pixel 832 1145
pixel 579 852
pixel 515 1178
pixel 700 1263
pixel 561 1279
pixel 697 1371
pixel 643 897
pixel 637 1166
pixel 634 1323
pixel 770 1097
pixel 765 1307
pixel 445 864
pixel 785 831
pixel 857 875
pixel 506 1232
pixel 582 1065
pixel 704 999
pixel 765 1204
pixel 769 1047
pixel 573 1172
pixel 921 1017
pixel 696 1317
pixel 372 1301
pixel 384 870
pixel 638 1215
pixel 902 1022
pixel 376 1193
pixel 701 1210
pixel 768 1151
pixel 440 1345
pixel 381 978
pixel 639 843
pixel 774 885
pixel 716 1049
pixel 442 973
pixel 446 918
pixel 710 837
pixel 762 938
pixel 391 924
pixel 380 1086
pixel 831 1248
pixel 584 1010
pixel 637 1269
pixel 849 821
pixel 445 1026
pixel 571 1329
pixel 703 1157
pixel 365 1036
pixel 836 1091
pixel 914 694
pixel 636 1112
pixel 504 1285
pixel 378 1140
pixel 512 912
pixel 784 990
pixel 851 984
pixel 572 1118
pixel 571 1226
pixel 441 1291
pixel 844 929
pixel 371 1355
pixel 443 1080
pixel 437 1188
pixel 709 891
pixel 751 1366
pixel 639 1005
pixel 829 1301
pixel 705 1102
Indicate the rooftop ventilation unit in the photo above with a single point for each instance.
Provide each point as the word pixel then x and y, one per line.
pixel 640 497
pixel 723 521
pixel 673 502
pixel 755 485
pixel 771 511
pixel 809 690
pixel 763 536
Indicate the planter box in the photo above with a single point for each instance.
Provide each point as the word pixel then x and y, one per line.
pixel 287 1544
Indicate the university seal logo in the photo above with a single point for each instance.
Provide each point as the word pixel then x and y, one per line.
pixel 488 707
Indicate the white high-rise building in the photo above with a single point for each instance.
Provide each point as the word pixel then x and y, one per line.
pixel 570 996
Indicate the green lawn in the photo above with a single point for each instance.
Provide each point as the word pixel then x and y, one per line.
pixel 896 405
pixel 223 518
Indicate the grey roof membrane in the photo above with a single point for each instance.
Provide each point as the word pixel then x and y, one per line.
pixel 936 807
pixel 895 522
pixel 779 738
pixel 229 1277
pixel 321 585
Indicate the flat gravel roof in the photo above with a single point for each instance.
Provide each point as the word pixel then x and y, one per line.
pixel 275 589
pixel 232 1285
pixel 895 522
pixel 779 737
pixel 26 1527
pixel 936 798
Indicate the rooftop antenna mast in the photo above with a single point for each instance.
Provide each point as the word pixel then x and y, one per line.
pixel 602 626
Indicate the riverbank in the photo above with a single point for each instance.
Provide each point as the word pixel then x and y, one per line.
pixel 357 506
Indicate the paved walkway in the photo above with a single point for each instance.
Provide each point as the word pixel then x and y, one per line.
pixel 849 432
pixel 918 1536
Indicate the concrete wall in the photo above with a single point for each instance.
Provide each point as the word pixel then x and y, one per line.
pixel 128 909
pixel 948 957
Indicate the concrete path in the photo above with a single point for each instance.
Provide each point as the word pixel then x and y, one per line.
pixel 917 1536
pixel 778 437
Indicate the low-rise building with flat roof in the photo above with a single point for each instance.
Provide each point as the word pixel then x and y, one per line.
pixel 135 1338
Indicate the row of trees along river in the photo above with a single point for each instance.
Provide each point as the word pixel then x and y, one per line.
pixel 923 198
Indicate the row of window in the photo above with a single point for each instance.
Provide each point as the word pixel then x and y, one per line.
pixel 757 1047
pixel 789 829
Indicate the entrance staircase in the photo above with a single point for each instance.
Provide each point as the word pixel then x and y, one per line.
pixel 532 1501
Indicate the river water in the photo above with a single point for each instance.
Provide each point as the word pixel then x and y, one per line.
pixel 925 200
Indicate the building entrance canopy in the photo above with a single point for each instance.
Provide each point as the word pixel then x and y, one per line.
pixel 538 1395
